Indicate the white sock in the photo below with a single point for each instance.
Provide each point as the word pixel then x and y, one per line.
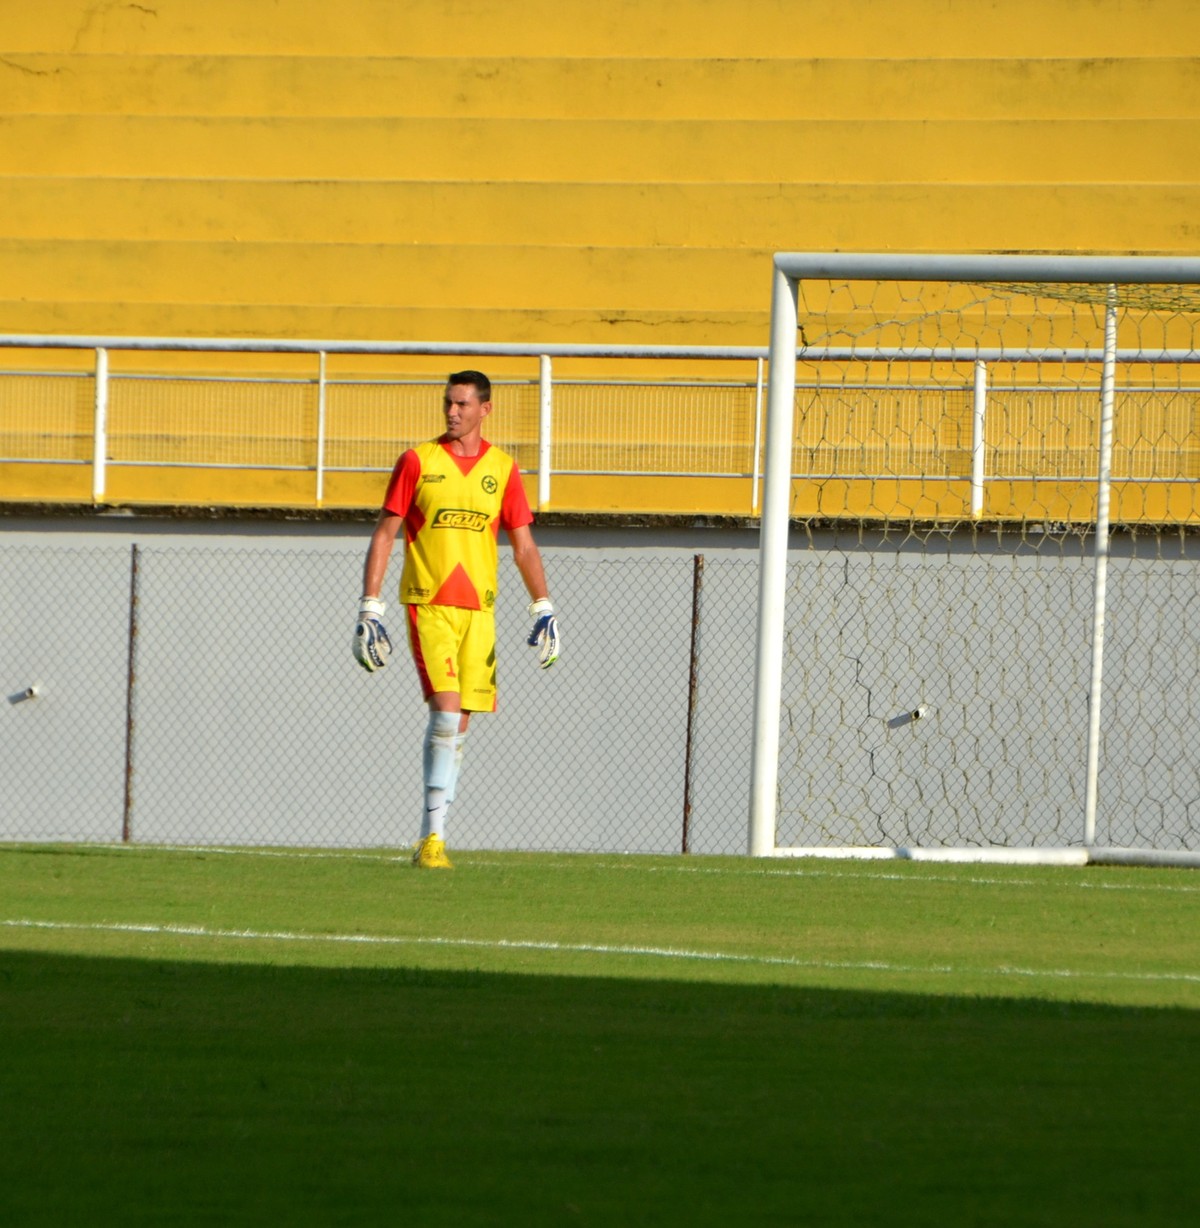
pixel 460 740
pixel 441 732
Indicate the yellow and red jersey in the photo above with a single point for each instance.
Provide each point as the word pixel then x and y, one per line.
pixel 454 508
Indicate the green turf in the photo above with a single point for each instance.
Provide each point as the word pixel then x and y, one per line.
pixel 200 1039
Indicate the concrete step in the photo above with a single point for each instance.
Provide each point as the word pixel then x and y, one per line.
pixel 1059 81
pixel 883 29
pixel 231 218
pixel 688 295
pixel 642 152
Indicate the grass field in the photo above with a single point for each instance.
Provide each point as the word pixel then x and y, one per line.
pixel 279 1037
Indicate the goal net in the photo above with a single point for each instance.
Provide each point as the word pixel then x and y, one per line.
pixel 979 597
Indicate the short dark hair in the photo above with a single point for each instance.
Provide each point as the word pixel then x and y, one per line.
pixel 481 383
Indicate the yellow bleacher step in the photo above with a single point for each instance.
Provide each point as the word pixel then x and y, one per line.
pixel 983 85
pixel 628 28
pixel 620 240
pixel 369 274
pixel 391 322
pixel 545 151
pixel 73 219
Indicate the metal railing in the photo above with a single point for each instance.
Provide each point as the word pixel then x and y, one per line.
pixel 305 407
pixel 965 429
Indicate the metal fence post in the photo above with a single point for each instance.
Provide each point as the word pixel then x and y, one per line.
pixel 100 428
pixel 130 686
pixel 321 385
pixel 693 693
pixel 978 422
pixel 756 466
pixel 545 412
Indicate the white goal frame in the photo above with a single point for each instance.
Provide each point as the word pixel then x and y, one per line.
pixel 790 268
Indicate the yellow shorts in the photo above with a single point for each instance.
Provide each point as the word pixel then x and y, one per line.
pixel 455 650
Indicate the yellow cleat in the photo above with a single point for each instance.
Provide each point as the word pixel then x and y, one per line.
pixel 431 855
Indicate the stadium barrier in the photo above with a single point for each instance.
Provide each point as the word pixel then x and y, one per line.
pixel 106 421
pixel 197 687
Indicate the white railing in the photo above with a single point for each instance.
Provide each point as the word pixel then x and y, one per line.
pixel 101 346
pixel 743 442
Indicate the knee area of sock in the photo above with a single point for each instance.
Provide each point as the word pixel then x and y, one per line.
pixel 444 725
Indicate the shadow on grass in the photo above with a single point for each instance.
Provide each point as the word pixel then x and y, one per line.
pixel 151 1092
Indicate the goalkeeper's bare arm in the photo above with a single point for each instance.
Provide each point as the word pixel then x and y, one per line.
pixel 372 645
pixel 544 636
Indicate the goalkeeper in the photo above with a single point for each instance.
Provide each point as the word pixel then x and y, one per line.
pixel 452 495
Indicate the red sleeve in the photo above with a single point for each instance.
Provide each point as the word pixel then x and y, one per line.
pixel 403 484
pixel 514 510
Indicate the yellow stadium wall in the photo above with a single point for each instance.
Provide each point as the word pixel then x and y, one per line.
pixel 558 171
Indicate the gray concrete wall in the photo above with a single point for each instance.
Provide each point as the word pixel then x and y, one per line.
pixel 251 722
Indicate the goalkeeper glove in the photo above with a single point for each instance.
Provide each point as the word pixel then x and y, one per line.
pixel 371 644
pixel 544 636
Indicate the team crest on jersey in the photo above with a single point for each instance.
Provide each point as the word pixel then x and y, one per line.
pixel 489 484
pixel 461 518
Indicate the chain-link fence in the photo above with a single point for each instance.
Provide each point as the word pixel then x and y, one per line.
pixel 935 693
pixel 208 694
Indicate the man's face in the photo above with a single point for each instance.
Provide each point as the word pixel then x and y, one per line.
pixel 463 409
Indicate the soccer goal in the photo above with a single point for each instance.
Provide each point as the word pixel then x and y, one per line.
pixel 978 631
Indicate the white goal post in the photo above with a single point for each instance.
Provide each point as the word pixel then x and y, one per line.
pixel 907 477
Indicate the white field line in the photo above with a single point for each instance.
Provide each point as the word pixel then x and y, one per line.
pixel 635 864
pixel 586 948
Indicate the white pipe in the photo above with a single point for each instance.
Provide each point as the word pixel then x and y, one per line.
pixel 772 585
pixel 321 385
pixel 545 420
pixel 1098 270
pixel 1099 597
pixel 100 429
pixel 978 422
pixel 993 855
pixel 758 408
pixel 723 353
